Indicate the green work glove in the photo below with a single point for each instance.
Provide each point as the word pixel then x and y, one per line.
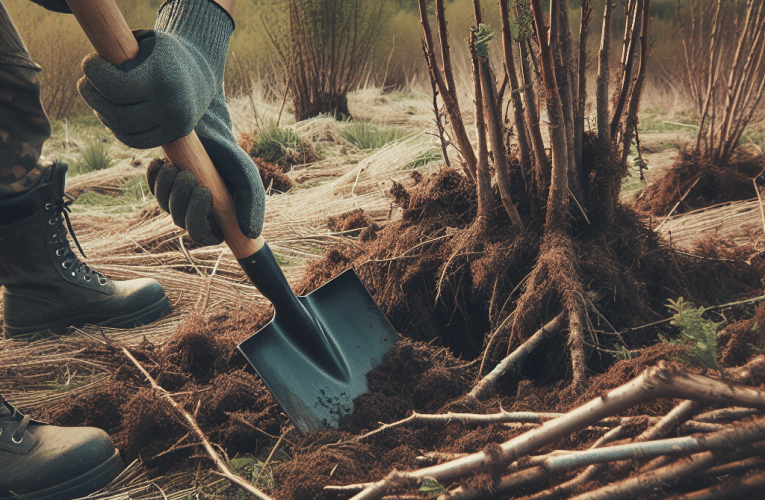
pixel 190 204
pixel 59 6
pixel 174 86
pixel 162 94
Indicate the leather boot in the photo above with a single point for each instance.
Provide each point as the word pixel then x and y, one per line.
pixel 47 288
pixel 39 461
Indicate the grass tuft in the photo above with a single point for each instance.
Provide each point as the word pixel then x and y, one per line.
pixel 95 155
pixel 366 136
pixel 273 143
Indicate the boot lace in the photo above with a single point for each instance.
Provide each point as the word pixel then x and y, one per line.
pixel 70 261
pixel 17 436
pixel 5 413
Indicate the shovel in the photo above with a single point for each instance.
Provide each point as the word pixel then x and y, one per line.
pixel 315 353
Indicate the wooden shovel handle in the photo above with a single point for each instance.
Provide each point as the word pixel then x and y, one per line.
pixel 107 30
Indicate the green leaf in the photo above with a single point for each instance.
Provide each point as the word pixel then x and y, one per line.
pixel 432 487
pixel 701 333
pixel 240 463
pixel 483 36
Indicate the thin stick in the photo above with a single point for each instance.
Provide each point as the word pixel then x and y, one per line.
pixel 677 204
pixel 191 422
pixel 482 389
pixel 273 452
pixel 759 197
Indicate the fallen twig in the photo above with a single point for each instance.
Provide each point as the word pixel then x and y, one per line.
pixel 191 422
pixel 737 488
pixel 483 389
pixel 662 381
pixel 273 452
pixel 677 204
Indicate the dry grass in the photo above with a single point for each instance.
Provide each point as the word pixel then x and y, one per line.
pixel 146 243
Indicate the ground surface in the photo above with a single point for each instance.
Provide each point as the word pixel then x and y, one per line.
pixel 364 209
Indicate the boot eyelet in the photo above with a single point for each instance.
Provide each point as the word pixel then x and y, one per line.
pixel 13 438
pixel 59 252
pixel 52 222
pixel 63 264
pixel 49 206
pixel 74 274
pixel 86 278
pixel 102 283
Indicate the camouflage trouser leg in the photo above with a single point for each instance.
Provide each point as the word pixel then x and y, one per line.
pixel 24 126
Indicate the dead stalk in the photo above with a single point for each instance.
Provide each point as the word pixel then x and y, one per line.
pixel 483 389
pixel 444 78
pixel 191 422
pixel 483 176
pixel 556 201
pixel 491 113
pixel 662 381
pixel 576 348
pixel 515 94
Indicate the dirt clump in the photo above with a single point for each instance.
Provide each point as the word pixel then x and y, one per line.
pixel 273 177
pixel 714 184
pixel 354 223
pixel 741 340
pixel 201 367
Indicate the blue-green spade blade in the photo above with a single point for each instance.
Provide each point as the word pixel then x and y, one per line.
pixel 316 379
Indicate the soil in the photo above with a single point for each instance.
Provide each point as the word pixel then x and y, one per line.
pixel 445 285
pixel 714 184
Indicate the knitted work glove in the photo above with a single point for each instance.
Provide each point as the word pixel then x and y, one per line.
pixel 162 94
pixel 190 204
pixel 173 86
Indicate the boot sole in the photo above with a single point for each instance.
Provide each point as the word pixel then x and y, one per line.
pixel 81 486
pixel 138 318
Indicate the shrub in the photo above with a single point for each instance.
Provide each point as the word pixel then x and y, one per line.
pixel 699 334
pixel 326 51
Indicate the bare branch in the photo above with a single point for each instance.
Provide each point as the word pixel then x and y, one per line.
pixel 192 423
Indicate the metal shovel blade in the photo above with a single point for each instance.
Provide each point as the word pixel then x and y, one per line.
pixel 316 390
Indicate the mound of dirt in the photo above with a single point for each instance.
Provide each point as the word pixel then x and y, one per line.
pixel 354 223
pixel 285 158
pixel 702 183
pixel 438 280
pixel 741 340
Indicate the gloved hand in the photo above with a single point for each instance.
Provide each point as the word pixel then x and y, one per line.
pixel 173 86
pixel 189 204
pixel 162 94
pixel 178 192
